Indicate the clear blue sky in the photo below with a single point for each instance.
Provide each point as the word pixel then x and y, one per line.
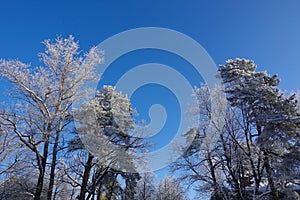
pixel 266 31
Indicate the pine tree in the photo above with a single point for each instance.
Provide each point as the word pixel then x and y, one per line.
pixel 275 116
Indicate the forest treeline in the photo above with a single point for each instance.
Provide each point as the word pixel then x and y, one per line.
pixel 245 142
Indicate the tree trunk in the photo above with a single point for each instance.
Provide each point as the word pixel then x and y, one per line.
pixel 270 179
pixel 42 168
pixel 98 179
pixel 39 186
pixel 99 192
pixel 228 160
pixel 53 165
pixel 87 170
pixel 111 186
pixel 268 166
pixel 213 174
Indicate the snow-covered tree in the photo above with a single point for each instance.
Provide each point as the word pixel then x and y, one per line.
pixel 273 115
pixel 257 143
pixel 42 100
pixel 200 164
pixel 145 189
pixel 105 125
pixel 10 150
pixel 214 162
pixel 170 189
pixel 17 188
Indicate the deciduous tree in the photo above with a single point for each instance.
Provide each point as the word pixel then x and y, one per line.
pixel 43 97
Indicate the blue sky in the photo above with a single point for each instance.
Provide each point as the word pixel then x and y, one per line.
pixel 266 31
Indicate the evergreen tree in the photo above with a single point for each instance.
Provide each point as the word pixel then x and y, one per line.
pixel 275 116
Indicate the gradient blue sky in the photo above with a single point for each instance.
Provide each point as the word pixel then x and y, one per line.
pixel 266 31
